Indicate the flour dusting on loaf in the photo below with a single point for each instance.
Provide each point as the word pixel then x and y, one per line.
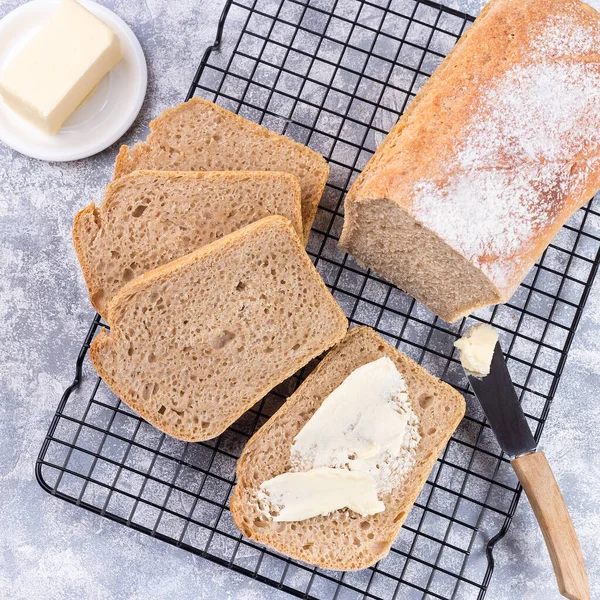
pixel 514 168
pixel 497 151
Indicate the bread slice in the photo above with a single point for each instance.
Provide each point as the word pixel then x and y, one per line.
pixel 199 135
pixel 342 540
pixel 195 343
pixel 479 174
pixel 149 218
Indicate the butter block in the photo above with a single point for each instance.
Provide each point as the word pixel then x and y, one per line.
pixel 62 64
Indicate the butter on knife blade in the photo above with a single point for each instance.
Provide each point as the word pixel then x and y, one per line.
pixel 477 348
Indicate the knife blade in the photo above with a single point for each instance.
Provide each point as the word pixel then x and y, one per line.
pixel 498 398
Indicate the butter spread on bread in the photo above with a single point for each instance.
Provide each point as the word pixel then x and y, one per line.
pixel 301 495
pixel 365 426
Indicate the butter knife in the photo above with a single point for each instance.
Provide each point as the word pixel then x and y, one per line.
pixel 500 404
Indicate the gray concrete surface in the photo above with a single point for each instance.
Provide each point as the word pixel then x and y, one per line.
pixel 51 550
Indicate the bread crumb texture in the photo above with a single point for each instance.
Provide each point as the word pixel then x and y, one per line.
pixel 342 540
pixel 195 343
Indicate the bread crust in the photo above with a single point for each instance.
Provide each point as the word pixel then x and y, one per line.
pixel 330 541
pixel 428 136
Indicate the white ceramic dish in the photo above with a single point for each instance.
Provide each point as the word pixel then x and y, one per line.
pixel 103 118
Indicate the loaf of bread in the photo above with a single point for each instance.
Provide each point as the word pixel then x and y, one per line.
pixel 149 218
pixel 342 540
pixel 195 343
pixel 495 153
pixel 198 135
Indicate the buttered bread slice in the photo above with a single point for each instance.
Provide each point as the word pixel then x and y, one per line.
pixel 195 343
pixel 330 478
pixel 149 218
pixel 199 135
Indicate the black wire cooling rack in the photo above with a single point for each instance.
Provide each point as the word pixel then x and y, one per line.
pixel 334 75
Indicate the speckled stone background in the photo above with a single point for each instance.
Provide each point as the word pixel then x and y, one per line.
pixel 51 550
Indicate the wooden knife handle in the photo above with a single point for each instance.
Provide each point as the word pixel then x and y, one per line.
pixel 550 510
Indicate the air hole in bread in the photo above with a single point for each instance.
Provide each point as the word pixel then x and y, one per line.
pixel 97 297
pixel 149 390
pixel 261 522
pixel 365 525
pixel 139 210
pixel 399 516
pixel 370 536
pixel 127 274
pixel 431 430
pixel 223 339
pixel 425 400
pixel 356 541
pixel 151 357
pixel 308 546
pixel 204 424
pixel 162 409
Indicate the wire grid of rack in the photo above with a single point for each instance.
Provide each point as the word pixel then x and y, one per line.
pixel 335 75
